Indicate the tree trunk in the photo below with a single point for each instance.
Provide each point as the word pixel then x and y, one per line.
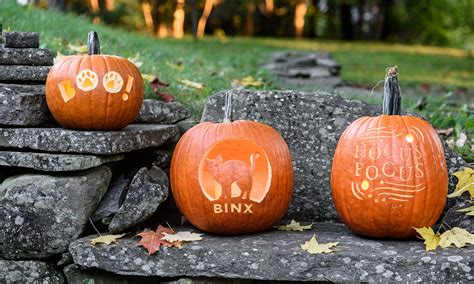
pixel 146 8
pixel 332 30
pixel 345 16
pixel 387 29
pixel 300 13
pixel 203 20
pixel 249 23
pixel 58 5
pixel 178 20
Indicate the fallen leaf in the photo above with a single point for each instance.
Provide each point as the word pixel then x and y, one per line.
pixel 461 140
pixel 469 210
pixel 457 237
pixel 136 60
pixel 148 77
pixel 153 240
pixel 248 81
pixel 294 226
pixel 192 84
pixel 465 182
pixel 158 87
pixel 106 239
pixel 312 246
pixel 178 66
pixel 429 236
pixel 183 236
pixel 81 49
pixel 445 132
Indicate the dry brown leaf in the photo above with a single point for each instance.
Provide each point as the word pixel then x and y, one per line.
pixel 294 226
pixel 183 236
pixel 106 239
pixel 430 237
pixel 313 247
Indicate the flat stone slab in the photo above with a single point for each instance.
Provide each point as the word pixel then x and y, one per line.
pixel 21 39
pixel 54 162
pixel 24 105
pixel 277 255
pixel 23 73
pixel 26 56
pixel 130 138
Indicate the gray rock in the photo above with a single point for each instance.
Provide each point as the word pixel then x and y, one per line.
pixel 130 138
pixel 42 214
pixel 21 39
pixel 23 106
pixel 162 157
pixel 26 56
pixel 77 275
pixel 23 73
pixel 311 124
pixel 28 272
pixel 110 204
pixel 277 255
pixel 147 190
pixel 154 111
pixel 185 125
pixel 54 162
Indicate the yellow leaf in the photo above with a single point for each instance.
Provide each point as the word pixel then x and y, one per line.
pixel 469 210
pixel 312 246
pixel 148 77
pixel 178 67
pixel 249 81
pixel 106 239
pixel 465 183
pixel 183 236
pixel 294 226
pixel 428 235
pixel 81 49
pixel 192 84
pixel 457 237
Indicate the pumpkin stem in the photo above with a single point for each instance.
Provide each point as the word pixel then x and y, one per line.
pixel 391 93
pixel 93 44
pixel 228 107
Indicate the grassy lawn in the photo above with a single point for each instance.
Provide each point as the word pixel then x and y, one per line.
pixel 215 62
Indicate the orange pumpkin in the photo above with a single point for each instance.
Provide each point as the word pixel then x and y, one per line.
pixel 232 177
pixel 94 92
pixel 389 172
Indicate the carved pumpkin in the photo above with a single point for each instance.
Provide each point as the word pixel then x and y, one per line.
pixel 389 172
pixel 232 177
pixel 94 92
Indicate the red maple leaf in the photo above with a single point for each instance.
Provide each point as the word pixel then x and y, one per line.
pixel 157 85
pixel 152 240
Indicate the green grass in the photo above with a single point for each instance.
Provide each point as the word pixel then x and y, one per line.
pixel 215 62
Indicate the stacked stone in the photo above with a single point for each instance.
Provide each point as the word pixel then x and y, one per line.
pixel 316 69
pixel 55 181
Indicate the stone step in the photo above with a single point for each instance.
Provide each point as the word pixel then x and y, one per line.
pixel 26 56
pixel 276 255
pixel 131 138
pixel 154 111
pixel 21 39
pixel 23 73
pixel 24 105
pixel 28 272
pixel 54 162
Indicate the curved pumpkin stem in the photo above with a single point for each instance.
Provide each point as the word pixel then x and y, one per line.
pixel 93 44
pixel 392 98
pixel 228 107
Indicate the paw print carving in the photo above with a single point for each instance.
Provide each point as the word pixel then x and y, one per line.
pixel 112 82
pixel 87 80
